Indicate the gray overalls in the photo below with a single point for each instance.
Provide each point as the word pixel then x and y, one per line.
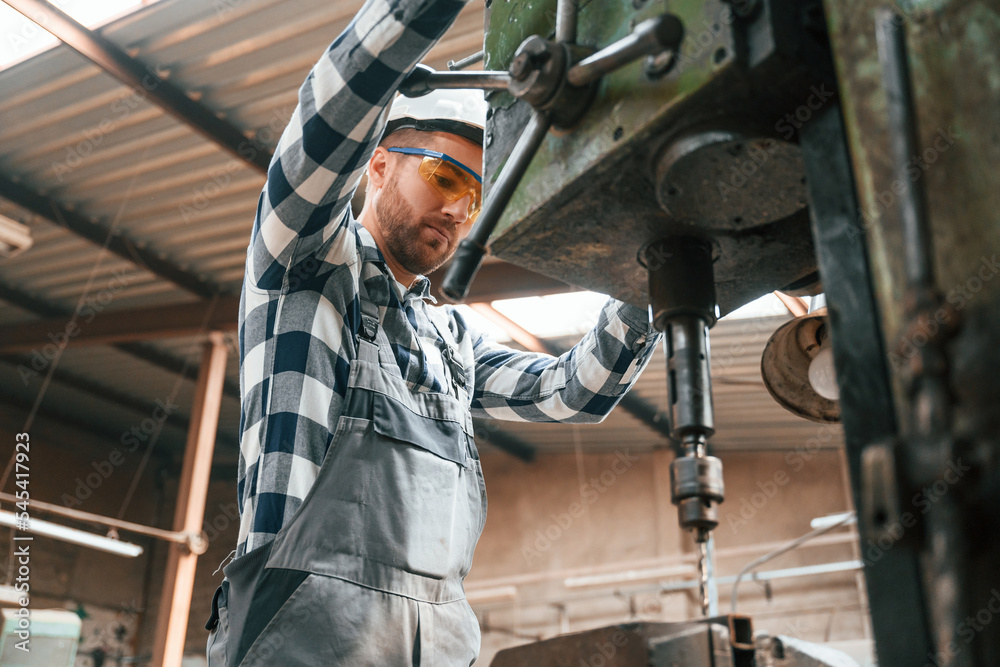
pixel 369 570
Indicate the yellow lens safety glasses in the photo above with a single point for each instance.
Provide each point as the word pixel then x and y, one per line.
pixel 450 178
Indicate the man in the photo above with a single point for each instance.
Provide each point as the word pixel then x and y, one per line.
pixel 361 492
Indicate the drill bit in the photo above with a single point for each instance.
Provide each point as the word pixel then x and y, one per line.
pixel 703 571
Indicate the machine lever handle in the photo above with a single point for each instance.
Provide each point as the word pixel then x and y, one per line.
pixel 652 36
pixel 424 79
pixel 471 251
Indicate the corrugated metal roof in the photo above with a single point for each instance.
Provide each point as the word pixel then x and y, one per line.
pixel 101 149
pixel 72 132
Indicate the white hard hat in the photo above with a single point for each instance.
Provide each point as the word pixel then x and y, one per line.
pixel 461 112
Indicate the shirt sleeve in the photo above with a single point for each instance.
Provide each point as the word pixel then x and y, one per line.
pixel 580 386
pixel 336 125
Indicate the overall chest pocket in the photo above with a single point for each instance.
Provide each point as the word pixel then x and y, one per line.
pixel 421 500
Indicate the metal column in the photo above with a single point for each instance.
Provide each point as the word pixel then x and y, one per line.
pixel 895 593
pixel 178 583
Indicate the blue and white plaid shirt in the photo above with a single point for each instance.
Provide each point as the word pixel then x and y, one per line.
pixel 299 312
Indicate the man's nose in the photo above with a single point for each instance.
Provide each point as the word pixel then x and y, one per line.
pixel 458 210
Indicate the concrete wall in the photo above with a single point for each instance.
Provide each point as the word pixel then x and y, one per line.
pixel 108 591
pixel 117 597
pixel 564 517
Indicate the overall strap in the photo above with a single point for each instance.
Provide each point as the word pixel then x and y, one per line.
pixel 373 343
pixel 368 329
pixel 453 361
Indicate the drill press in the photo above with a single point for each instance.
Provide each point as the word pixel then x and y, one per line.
pixel 682 292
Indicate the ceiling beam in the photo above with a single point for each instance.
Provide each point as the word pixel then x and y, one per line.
pixel 144 79
pixel 186 368
pixel 115 397
pixel 50 414
pixel 175 321
pixel 517 333
pixel 98 234
pixel 132 72
pixel 796 305
pixel 141 351
pixel 502 281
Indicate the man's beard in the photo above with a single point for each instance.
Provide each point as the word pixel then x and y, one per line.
pixel 402 234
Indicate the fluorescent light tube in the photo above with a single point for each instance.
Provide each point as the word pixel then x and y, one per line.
pixel 81 537
pixel 832 520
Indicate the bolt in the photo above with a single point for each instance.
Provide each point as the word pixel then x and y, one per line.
pixel 660 64
pixel 530 56
pixel 520 66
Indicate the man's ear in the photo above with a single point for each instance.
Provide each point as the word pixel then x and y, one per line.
pixel 378 167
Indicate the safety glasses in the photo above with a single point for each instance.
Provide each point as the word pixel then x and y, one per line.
pixel 448 177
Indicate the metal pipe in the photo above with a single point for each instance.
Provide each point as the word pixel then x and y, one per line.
pixel 663 33
pixel 647 564
pixel 779 551
pixel 771 575
pixel 626 577
pixel 470 251
pixel 566 12
pixel 66 534
pixel 115 61
pixel 637 588
pixel 930 414
pixel 928 441
pixel 904 143
pixel 424 79
pixel 455 65
pixel 474 79
pixel 87 517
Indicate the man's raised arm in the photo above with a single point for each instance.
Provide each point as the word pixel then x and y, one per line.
pixel 335 128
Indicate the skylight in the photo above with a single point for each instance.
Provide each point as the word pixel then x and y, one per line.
pixel 24 38
pixel 575 313
pixel 766 306
pixel 554 315
pixel 545 316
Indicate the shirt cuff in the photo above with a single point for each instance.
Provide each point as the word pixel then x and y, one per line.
pixel 641 335
pixel 636 318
